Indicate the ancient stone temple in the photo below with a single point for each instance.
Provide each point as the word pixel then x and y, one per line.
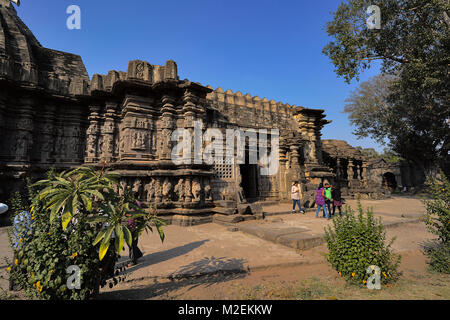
pixel 53 116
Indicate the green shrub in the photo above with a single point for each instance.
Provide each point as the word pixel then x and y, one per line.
pixel 437 219
pixel 357 242
pixel 77 220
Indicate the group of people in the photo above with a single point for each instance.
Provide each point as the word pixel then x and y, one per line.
pixel 326 195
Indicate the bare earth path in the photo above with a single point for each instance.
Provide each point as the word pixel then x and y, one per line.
pixel 212 261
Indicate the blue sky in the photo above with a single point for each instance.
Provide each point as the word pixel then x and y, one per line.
pixel 268 48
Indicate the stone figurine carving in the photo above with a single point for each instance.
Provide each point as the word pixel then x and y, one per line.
pixel 179 190
pixel 208 193
pixel 123 187
pixel 137 186
pixel 196 189
pixel 150 190
pixel 187 190
pixel 166 190
pixel 158 190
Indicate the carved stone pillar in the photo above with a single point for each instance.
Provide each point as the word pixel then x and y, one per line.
pixel 349 169
pixel 47 137
pixel 108 132
pixel 167 127
pixel 364 171
pixel 24 128
pixel 339 169
pixel 92 135
pixel 188 190
pixel 190 117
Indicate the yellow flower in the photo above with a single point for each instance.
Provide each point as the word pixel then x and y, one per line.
pixel 38 284
pixel 340 273
pixel 51 271
pixel 40 289
pixel 364 281
pixel 16 262
pixel 20 240
pixel 75 255
pixel 353 274
pixel 384 274
pixel 9 268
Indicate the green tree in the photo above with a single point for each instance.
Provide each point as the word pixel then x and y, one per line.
pixel 411 109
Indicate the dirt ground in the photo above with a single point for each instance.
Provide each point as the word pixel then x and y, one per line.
pixel 268 270
pixel 309 281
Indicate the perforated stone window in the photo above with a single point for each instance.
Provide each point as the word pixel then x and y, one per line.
pixel 224 170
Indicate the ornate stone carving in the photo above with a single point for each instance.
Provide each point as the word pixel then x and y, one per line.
pixel 158 190
pixel 208 191
pixel 123 187
pixel 196 189
pixel 150 190
pixel 179 190
pixel 187 190
pixel 166 190
pixel 137 187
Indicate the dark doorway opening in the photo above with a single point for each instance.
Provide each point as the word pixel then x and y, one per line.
pixel 249 181
pixel 389 181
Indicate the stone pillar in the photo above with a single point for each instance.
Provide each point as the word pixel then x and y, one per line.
pixel 92 135
pixel 108 131
pixel 24 128
pixel 167 127
pixel 188 190
pixel 340 168
pixel 47 137
pixel 349 169
pixel 189 112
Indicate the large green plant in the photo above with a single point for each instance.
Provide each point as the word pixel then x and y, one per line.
pixel 92 193
pixel 77 219
pixel 357 242
pixel 437 219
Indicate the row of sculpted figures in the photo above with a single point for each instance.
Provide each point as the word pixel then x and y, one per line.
pixel 170 191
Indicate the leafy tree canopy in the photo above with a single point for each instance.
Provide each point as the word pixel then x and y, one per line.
pixel 408 103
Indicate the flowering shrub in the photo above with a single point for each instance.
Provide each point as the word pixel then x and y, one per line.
pixel 77 220
pixel 357 242
pixel 437 219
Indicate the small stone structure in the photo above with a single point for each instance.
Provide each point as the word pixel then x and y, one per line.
pixel 53 115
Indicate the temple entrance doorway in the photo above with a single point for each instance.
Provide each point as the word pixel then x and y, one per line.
pixel 249 181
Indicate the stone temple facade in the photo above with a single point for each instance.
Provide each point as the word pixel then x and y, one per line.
pixel 52 115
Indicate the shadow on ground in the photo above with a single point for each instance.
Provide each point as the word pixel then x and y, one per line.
pixel 162 256
pixel 205 272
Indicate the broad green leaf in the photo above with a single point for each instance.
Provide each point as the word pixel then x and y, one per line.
pixel 99 237
pixel 105 242
pixel 87 202
pixel 66 217
pixel 127 235
pixel 119 238
pixel 96 193
pixel 161 232
pixel 97 219
pixel 104 246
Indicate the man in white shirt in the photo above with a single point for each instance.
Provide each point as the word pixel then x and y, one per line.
pixel 295 195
